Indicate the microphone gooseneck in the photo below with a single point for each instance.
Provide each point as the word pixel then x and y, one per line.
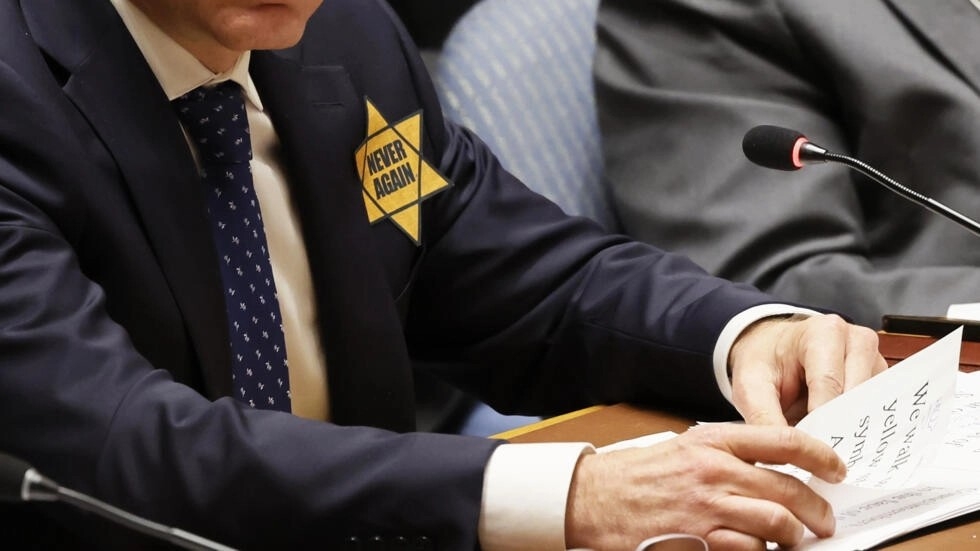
pixel 13 472
pixel 784 149
pixel 19 481
pixel 175 536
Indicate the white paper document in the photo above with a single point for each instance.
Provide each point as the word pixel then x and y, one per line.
pixel 885 428
pixel 911 440
pixel 967 311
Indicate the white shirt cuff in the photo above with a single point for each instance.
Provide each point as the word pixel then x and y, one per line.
pixel 525 494
pixel 734 328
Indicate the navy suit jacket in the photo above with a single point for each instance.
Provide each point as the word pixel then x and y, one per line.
pixel 115 375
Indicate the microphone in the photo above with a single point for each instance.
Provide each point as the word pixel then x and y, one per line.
pixel 19 481
pixel 785 149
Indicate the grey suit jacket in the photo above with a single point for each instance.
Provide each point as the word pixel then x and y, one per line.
pixel 894 82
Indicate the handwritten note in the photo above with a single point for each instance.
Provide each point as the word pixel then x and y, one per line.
pixel 961 445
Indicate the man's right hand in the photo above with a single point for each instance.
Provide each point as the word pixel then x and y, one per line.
pixel 705 483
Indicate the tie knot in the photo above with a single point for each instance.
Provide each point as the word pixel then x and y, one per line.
pixel 215 119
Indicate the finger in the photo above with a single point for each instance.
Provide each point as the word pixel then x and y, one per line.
pixel 756 393
pixel 823 342
pixel 768 504
pixel 796 411
pixel 792 494
pixel 774 445
pixel 880 365
pixel 862 357
pixel 761 519
pixel 724 538
pixel 782 491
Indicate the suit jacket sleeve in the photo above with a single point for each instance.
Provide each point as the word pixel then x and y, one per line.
pixel 510 298
pixel 82 405
pixel 679 82
pixel 87 410
pixel 536 312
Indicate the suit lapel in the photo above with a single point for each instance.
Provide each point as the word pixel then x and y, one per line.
pixel 368 368
pixel 953 28
pixel 162 179
pixel 320 121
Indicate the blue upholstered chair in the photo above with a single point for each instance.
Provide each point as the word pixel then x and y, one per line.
pixel 519 73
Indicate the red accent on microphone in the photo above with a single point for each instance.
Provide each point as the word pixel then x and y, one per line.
pixel 800 142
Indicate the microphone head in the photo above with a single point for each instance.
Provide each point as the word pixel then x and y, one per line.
pixel 12 472
pixel 774 147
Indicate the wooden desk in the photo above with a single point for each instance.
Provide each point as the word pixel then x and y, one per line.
pixel 895 347
pixel 606 425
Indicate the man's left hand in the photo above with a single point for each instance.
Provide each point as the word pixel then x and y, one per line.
pixel 783 368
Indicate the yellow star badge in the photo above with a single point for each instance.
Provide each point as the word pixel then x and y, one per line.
pixel 395 179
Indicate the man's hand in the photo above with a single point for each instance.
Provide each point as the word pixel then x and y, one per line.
pixel 704 482
pixel 784 368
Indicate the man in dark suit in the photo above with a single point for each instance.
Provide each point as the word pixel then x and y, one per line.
pixel 197 231
pixel 893 82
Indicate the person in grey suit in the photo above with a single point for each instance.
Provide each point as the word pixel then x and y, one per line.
pixel 893 82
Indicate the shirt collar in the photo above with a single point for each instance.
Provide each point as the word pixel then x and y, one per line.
pixel 177 70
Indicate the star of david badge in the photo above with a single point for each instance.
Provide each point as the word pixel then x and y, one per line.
pixel 395 179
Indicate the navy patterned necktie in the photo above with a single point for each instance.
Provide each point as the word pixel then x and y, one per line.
pixel 215 120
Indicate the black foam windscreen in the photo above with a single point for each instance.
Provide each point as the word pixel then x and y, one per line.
pixel 771 146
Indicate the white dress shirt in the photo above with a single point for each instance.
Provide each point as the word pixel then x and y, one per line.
pixel 525 485
pixel 180 72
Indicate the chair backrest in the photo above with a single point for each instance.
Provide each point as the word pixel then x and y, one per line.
pixel 519 74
